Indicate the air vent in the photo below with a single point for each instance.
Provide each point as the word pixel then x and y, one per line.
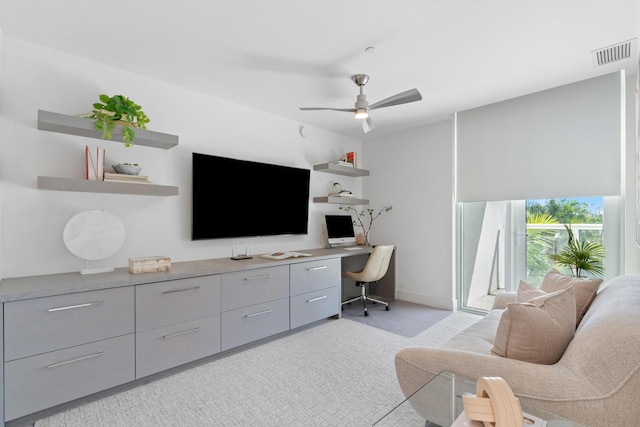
pixel 614 53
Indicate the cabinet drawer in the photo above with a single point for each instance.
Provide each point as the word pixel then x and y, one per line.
pixel 42 381
pixel 244 288
pixel 170 346
pixel 41 325
pixel 314 306
pixel 249 324
pixel 166 303
pixel 314 275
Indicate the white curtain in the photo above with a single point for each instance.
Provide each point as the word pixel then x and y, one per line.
pixel 562 142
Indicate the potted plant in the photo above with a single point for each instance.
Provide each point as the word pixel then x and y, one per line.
pixel 580 257
pixel 364 219
pixel 118 109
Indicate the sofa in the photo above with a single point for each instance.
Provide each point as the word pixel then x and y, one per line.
pixel 595 382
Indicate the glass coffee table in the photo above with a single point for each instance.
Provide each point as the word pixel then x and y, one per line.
pixel 439 403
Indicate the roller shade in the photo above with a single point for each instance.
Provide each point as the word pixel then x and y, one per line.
pixel 562 142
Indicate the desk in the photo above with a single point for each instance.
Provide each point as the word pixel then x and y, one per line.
pixel 19 288
pixel 143 324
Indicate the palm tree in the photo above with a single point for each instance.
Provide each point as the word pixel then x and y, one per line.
pixel 540 243
pixel 580 256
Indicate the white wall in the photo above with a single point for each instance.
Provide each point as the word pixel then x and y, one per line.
pixel 32 220
pixel 631 247
pixel 413 171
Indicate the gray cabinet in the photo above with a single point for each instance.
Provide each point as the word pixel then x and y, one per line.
pixel 60 348
pixel 45 380
pixel 177 322
pixel 248 324
pixel 248 287
pixel 315 291
pixel 175 301
pixel 255 305
pixel 174 345
pixel 51 323
pixel 70 336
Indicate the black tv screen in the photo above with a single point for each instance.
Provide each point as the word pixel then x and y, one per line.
pixel 240 198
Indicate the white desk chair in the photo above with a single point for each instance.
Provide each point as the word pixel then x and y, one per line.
pixel 374 270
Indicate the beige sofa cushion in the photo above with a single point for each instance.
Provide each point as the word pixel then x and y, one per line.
pixel 539 330
pixel 585 289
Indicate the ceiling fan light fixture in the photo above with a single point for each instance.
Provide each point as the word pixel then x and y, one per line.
pixel 361 113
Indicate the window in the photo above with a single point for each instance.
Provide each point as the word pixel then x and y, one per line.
pixel 547 222
pixel 503 242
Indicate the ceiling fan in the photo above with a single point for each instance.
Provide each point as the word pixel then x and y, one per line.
pixel 362 107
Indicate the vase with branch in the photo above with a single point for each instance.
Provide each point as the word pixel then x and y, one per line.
pixel 364 219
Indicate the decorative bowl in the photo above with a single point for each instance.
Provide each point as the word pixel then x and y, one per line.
pixel 127 169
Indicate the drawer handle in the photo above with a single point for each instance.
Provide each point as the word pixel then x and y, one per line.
pixel 322 267
pixel 266 276
pixel 316 299
pixel 177 334
pixel 69 307
pixel 248 316
pixel 181 290
pixel 79 359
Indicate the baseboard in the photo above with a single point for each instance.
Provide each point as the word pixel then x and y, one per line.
pixel 444 304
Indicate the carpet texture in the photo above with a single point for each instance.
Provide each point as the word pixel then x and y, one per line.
pixel 337 373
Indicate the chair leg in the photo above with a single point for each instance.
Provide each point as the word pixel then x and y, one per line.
pixel 364 298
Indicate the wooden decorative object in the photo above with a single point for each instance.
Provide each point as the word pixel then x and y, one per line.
pixel 494 404
pixel 149 264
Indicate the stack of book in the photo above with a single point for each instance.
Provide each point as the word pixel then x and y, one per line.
pixel 350 157
pixel 122 177
pixel 94 163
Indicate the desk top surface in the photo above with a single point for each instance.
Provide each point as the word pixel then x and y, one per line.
pixel 18 288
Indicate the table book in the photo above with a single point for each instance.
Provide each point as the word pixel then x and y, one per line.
pixel 284 255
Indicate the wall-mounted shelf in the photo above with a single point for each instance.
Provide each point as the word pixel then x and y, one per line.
pixel 88 186
pixel 341 200
pixel 340 170
pixel 72 125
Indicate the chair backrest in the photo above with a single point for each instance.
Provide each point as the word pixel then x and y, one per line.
pixel 377 264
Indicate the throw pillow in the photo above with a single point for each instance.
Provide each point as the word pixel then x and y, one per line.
pixel 539 330
pixel 585 288
pixel 527 291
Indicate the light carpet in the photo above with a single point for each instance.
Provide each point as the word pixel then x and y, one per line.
pixel 337 373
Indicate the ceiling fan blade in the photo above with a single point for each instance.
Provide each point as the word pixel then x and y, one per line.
pixel 411 95
pixel 349 110
pixel 367 125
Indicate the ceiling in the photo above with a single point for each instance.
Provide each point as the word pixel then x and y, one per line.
pixel 280 55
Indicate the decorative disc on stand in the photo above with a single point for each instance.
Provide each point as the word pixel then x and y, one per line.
pixel 94 235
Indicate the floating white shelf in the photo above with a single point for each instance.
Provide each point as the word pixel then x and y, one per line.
pixel 87 186
pixel 337 169
pixel 73 125
pixel 340 169
pixel 341 200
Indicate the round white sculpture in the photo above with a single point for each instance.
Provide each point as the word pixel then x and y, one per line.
pixel 94 235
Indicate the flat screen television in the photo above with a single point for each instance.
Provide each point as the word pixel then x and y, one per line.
pixel 240 198
pixel 340 230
